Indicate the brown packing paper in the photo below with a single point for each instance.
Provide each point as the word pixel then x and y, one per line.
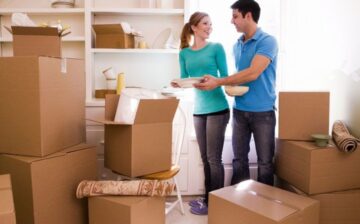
pixel 88 188
pixel 342 137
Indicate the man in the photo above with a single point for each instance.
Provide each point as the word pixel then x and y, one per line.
pixel 253 113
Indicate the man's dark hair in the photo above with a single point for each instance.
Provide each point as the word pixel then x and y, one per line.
pixel 245 6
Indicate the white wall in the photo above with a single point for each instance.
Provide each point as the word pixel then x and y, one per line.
pixel 319 47
pixel 321 52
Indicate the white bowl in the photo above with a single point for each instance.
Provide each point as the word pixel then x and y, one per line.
pixel 188 82
pixel 63 4
pixel 236 90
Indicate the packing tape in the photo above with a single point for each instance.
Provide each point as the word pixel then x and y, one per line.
pixel 63 65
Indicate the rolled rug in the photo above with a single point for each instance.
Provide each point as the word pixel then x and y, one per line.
pixel 88 188
pixel 342 137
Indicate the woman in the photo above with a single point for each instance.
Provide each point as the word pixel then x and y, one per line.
pixel 211 112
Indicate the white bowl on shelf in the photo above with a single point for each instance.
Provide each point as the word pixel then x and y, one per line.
pixel 63 4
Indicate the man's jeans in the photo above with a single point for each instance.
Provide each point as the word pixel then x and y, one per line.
pixel 210 134
pixel 262 126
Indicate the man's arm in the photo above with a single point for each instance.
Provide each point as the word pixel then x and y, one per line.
pixel 258 65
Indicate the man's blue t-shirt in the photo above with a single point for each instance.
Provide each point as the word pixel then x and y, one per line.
pixel 261 95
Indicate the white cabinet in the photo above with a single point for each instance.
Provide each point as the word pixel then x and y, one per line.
pixel 41 11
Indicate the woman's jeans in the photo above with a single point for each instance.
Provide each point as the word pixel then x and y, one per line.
pixel 210 134
pixel 262 126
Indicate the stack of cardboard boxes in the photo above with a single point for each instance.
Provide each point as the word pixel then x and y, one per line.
pixel 322 173
pixel 134 150
pixel 42 130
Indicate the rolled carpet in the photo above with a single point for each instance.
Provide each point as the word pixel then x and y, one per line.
pixel 88 188
pixel 342 137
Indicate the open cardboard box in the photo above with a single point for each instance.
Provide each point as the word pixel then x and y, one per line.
pixel 254 202
pixel 36 41
pixel 112 36
pixel 7 211
pixel 143 147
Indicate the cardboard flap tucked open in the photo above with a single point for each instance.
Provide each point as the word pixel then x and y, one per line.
pixel 111 103
pixel 29 30
pixel 156 110
pixel 108 29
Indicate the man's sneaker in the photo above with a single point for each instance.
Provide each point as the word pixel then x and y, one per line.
pixel 200 210
pixel 196 202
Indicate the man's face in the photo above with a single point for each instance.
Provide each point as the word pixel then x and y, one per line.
pixel 238 20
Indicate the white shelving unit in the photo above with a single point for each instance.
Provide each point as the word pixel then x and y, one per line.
pixel 40 11
pixel 140 66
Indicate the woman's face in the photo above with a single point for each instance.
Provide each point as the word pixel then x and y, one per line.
pixel 203 29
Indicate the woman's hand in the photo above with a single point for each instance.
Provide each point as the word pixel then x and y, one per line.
pixel 174 84
pixel 208 82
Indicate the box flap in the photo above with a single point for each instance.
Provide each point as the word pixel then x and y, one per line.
pixel 111 103
pixel 5 182
pixel 276 204
pixel 156 110
pixel 30 30
pixel 108 29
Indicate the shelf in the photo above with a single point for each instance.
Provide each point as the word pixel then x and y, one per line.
pixel 135 51
pixel 95 103
pixel 42 11
pixel 65 39
pixel 138 11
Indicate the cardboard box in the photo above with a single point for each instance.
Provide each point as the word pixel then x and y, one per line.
pixel 7 211
pixel 45 188
pixel 342 207
pixel 302 114
pixel 144 147
pixel 112 36
pixel 126 209
pixel 317 170
pixel 253 202
pixel 42 104
pixel 36 41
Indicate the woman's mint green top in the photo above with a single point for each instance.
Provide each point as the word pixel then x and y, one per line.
pixel 210 60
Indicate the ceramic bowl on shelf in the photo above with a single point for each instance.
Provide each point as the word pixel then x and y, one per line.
pixel 63 4
pixel 321 140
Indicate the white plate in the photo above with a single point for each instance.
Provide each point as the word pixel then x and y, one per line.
pixel 188 82
pixel 236 90
pixel 161 39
